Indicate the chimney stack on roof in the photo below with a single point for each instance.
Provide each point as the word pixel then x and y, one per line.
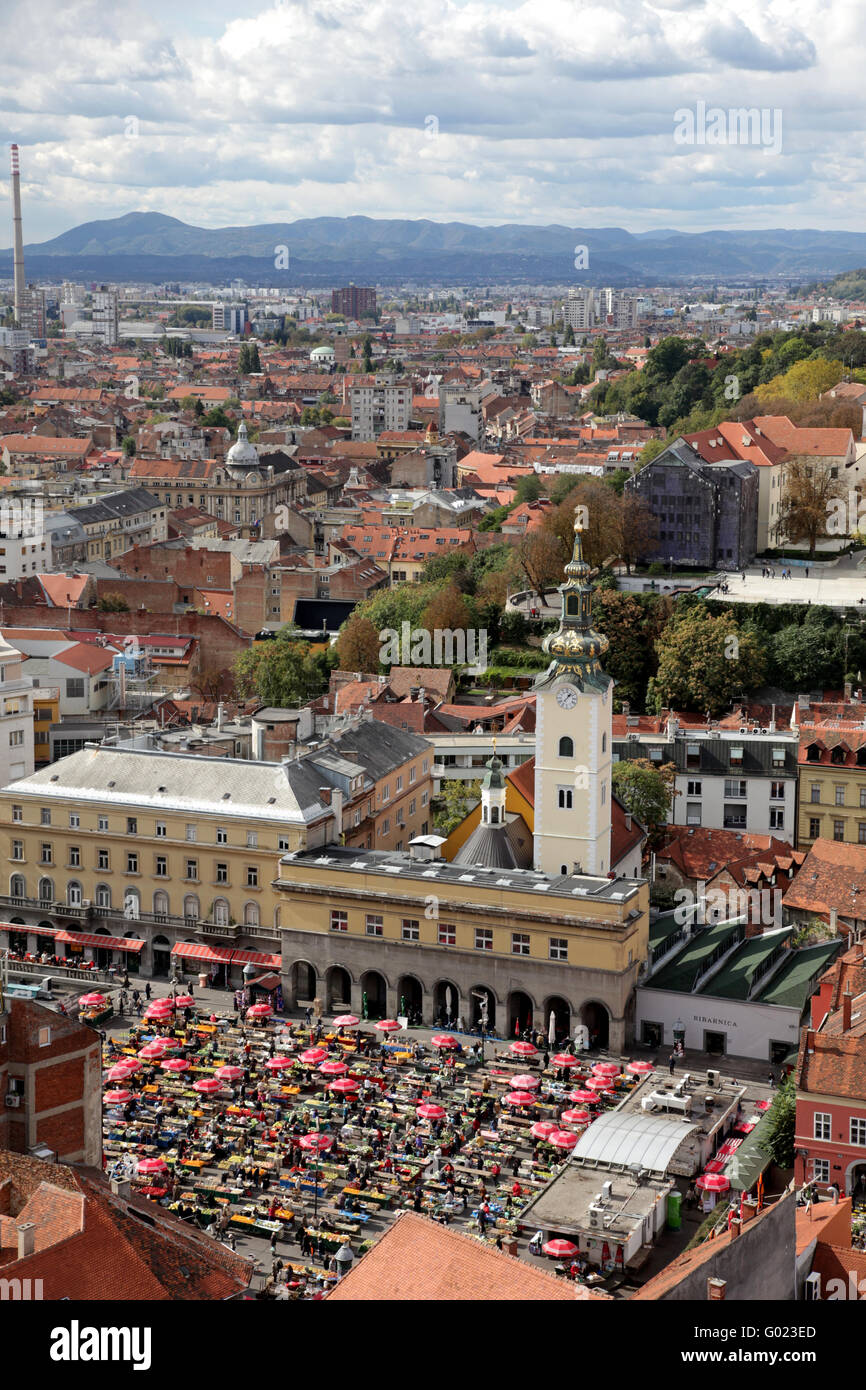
pixel 26 1239
pixel 846 1010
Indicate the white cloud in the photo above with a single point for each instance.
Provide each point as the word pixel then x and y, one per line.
pixel 558 111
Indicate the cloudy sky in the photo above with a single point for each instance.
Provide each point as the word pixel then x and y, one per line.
pixel 240 111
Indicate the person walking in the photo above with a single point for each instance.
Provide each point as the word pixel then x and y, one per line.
pixel 147 990
pixel 672 1062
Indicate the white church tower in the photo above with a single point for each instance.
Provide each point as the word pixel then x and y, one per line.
pixel 573 713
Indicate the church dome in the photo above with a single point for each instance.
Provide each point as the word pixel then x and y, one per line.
pixel 242 454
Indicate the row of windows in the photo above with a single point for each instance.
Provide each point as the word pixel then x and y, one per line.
pixel 446 934
pixel 133 860
pixel 161 828
pixel 838 794
pixel 737 786
pixel 74 897
pixel 838 830
pixel 823 1129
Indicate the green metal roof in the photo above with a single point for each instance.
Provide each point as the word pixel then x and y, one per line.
pixel 793 985
pixel 665 925
pixel 680 973
pixel 736 977
pixel 747 1164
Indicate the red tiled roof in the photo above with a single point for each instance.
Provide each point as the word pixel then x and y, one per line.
pixel 832 877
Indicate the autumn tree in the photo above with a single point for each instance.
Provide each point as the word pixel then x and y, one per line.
pixel 540 556
pixel 639 529
pixel 631 624
pixel 811 501
pixel 447 611
pixel 358 645
pixel 703 662
pixel 602 521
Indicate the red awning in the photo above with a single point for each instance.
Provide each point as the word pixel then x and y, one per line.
pixel 26 927
pixel 108 943
pixel 224 955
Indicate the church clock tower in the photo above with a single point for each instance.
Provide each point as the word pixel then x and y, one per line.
pixel 573 725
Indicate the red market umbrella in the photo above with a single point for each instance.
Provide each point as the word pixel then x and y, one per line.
pixel 542 1129
pixel 713 1182
pixel 559 1249
pixel 575 1117
pixel 640 1068
pixel 92 1001
pixel 564 1059
pixel 121 1073
pixel 523 1049
pixel 207 1085
pixel 278 1063
pixel 160 1006
pixel 525 1083
pixel 520 1098
pixel 152 1165
pixel 152 1052
pixel 118 1097
pixel 314 1141
pixel 312 1056
pixel 563 1139
pixel 581 1097
pixel 333 1068
pixel 388 1025
pixel 444 1041
pixel 598 1083
pixel 344 1085
pixel 259 1011
pixel 229 1073
pixel 606 1069
pixel 175 1064
pixel 429 1111
pixel 184 1001
pixel 346 1021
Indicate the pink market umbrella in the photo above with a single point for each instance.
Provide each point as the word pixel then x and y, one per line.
pixel 525 1083
pixel 177 1064
pixel 581 1097
pixel 346 1021
pixel 388 1025
pixel 559 1249
pixel 344 1085
pixel 429 1111
pixel 598 1083
pixel 152 1052
pixel 333 1068
pixel 523 1049
pixel 606 1069
pixel 564 1059
pixel 520 1098
pixel 152 1165
pixel 207 1085
pixel 121 1073
pixel 92 1001
pixel 312 1142
pixel 118 1097
pixel 575 1117
pixel 444 1041
pixel 713 1182
pixel 259 1011
pixel 312 1056
pixel 278 1063
pixel 542 1129
pixel 229 1073
pixel 640 1068
pixel 185 1001
pixel 563 1139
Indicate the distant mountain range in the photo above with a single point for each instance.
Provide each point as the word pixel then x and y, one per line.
pixel 148 246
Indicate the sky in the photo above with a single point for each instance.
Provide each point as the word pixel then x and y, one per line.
pixel 225 113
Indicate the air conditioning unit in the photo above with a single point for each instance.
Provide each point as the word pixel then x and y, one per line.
pixel 682 1103
pixel 713 1078
pixel 595 1215
pixel 13 1100
pixel 607 1191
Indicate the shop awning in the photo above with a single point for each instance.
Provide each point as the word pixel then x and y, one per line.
pixel 107 943
pixel 224 955
pixel 26 927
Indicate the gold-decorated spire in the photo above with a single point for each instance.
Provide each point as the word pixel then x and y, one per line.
pixel 576 646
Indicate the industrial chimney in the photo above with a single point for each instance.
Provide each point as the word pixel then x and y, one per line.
pixel 19 237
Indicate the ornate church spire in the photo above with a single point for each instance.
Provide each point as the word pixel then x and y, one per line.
pixel 576 647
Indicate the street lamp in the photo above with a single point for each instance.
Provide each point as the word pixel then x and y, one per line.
pixel 482 997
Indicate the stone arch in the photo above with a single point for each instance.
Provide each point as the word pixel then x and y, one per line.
pixel 375 987
pixel 191 907
pixel 521 1012
pixel 46 890
pixel 338 989
pixel 161 907
pixel 410 992
pixel 161 956
pixel 561 1010
pixel 17 886
pixel 475 1007
pixel 103 895
pixel 251 915
pixel 596 1017
pixel 304 978
pixel 74 896
pixel 440 1001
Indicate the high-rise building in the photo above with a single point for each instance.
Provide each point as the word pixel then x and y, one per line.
pixel 382 406
pixel 229 318
pixel 105 315
pixel 354 302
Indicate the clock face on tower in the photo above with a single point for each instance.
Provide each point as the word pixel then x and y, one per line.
pixel 566 698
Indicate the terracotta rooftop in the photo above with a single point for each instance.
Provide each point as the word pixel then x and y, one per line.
pixel 832 877
pixel 417 1260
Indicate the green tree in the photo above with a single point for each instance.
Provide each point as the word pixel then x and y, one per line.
pixel 128 446
pixel 528 488
pixel 112 603
pixel 704 661
pixel 778 1140
pixel 454 804
pixel 807 656
pixel 281 673
pixel 643 790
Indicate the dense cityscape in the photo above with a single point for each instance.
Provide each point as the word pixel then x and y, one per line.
pixel 432 765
